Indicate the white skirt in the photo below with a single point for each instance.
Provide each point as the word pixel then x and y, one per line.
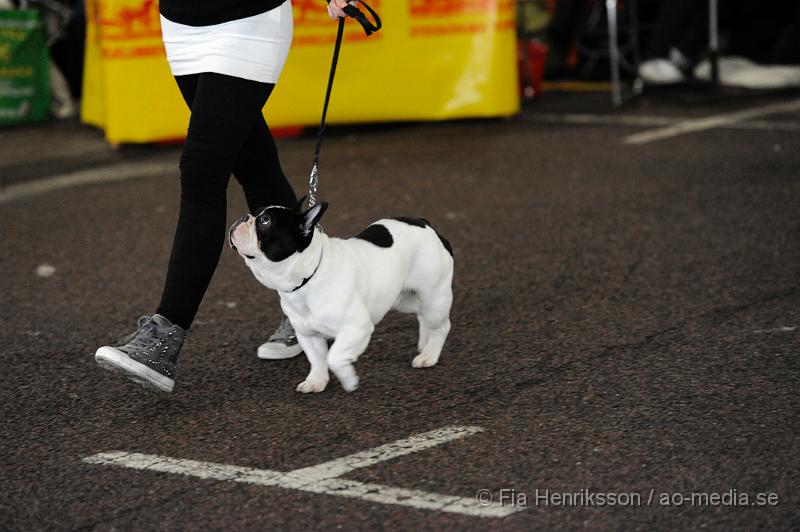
pixel 253 48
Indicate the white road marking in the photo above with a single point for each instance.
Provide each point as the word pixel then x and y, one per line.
pixel 602 119
pixel 324 478
pixel 587 119
pixel 104 174
pixel 769 125
pixel 781 329
pixel 419 442
pixel 709 122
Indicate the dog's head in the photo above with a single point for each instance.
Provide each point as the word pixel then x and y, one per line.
pixel 275 234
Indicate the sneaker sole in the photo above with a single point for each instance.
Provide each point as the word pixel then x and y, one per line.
pixel 118 362
pixel 278 353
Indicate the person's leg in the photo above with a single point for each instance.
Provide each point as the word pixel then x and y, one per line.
pixel 786 47
pixel 673 16
pixel 665 62
pixel 224 112
pixel 563 30
pixel 188 87
pixel 258 170
pixel 693 39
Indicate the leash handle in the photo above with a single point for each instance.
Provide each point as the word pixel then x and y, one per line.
pixel 369 27
pixel 352 11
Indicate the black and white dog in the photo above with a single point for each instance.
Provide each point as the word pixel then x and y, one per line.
pixel 338 289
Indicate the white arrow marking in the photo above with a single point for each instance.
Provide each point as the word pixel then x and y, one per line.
pixel 324 478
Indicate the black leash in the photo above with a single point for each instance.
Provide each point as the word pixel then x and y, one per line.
pixel 369 28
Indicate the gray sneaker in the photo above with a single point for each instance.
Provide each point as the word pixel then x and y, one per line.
pixel 149 355
pixel 282 344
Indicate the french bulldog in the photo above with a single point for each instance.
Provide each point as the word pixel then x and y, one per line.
pixel 337 289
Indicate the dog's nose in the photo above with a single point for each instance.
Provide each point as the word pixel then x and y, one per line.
pixel 242 219
pixel 236 224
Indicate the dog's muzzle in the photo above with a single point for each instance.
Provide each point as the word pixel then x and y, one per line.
pixel 233 228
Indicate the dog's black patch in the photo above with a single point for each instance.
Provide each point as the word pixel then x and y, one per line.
pixel 416 222
pixel 278 235
pixel 422 222
pixel 282 232
pixel 445 243
pixel 377 234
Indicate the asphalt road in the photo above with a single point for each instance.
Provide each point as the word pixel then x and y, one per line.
pixel 626 321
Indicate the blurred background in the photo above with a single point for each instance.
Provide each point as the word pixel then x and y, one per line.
pixel 101 61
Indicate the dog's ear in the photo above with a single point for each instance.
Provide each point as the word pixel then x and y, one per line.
pixel 311 217
pixel 298 207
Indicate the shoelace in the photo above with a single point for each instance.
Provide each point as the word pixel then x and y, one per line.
pixel 128 337
pixel 149 335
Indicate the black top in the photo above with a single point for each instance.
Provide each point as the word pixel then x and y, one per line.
pixel 208 12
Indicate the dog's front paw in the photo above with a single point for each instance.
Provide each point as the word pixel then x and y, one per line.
pixel 424 360
pixel 311 386
pixel 350 384
pixel 347 376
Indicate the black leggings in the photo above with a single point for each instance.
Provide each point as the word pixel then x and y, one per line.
pixel 227 133
pixel 682 24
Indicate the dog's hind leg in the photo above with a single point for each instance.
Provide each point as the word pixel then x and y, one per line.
pixel 434 326
pixel 316 350
pixel 409 303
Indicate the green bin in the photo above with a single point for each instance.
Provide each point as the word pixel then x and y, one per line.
pixel 24 76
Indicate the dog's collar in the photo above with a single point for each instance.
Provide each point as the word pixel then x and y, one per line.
pixel 307 279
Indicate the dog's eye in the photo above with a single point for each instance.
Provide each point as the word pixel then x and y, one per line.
pixel 249 256
pixel 264 220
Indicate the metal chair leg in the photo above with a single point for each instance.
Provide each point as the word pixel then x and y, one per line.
pixel 613 51
pixel 713 40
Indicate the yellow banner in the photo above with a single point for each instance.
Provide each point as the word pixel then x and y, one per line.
pixel 433 60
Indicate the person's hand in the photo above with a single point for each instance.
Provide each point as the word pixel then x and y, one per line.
pixel 336 8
